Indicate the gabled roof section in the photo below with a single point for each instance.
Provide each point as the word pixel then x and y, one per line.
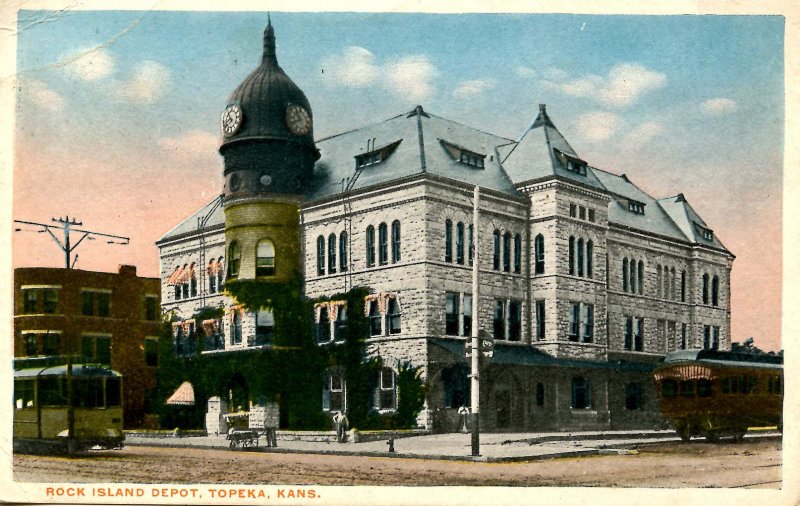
pixel 419 142
pixel 690 223
pixel 210 213
pixel 542 152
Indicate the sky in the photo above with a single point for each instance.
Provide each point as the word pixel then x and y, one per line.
pixel 117 113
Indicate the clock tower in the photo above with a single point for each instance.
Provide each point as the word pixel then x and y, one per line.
pixel 269 155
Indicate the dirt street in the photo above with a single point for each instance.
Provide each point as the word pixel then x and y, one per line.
pixel 751 464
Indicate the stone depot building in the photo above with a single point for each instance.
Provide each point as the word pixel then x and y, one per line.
pixel 585 283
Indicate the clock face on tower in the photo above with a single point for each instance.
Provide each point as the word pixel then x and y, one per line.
pixel 298 120
pixel 231 119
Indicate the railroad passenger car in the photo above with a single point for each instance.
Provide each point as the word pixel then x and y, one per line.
pixel 714 393
pixel 41 410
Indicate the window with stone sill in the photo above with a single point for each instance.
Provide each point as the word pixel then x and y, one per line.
pixel 387 390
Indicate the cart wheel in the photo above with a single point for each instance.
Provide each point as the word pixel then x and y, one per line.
pixel 739 435
pixel 684 433
pixel 712 436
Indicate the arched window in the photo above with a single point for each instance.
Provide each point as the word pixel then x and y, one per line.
pixel 633 276
pixel 320 255
pixel 395 241
pixel 715 291
pixel 265 258
pixel 571 255
pixel 580 257
pixel 581 393
pixel 460 243
pixel 193 281
pixel 625 274
pixel 538 248
pixel 448 241
pixel 212 276
pixel 496 258
pixel 589 253
pixel 234 257
pixel 672 294
pixel 393 316
pixel 507 252
pixel 343 251
pixel 387 390
pixel 705 288
pixel 236 328
pixel 659 280
pixel 331 253
pixel 683 286
pixel 375 319
pixel 220 273
pixel 518 253
pixel 383 244
pixel 471 243
pixel 640 278
pixel 370 246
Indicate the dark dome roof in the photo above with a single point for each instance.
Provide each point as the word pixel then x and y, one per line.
pixel 263 98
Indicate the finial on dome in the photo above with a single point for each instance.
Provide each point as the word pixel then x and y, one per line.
pixel 269 43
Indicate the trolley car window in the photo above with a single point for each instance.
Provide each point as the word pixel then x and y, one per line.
pixel 88 393
pixel 113 396
pixel 687 388
pixel 742 384
pixel 23 394
pixel 52 392
pixel 752 385
pixel 669 388
pixel 703 388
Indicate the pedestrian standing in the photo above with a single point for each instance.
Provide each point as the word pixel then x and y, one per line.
pixel 340 423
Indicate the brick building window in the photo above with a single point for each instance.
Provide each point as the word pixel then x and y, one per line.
pixel 96 348
pixel 715 338
pixel 322 328
pixel 151 312
pixel 265 326
pixel 580 257
pixel 151 351
pixel 574 321
pixel 30 298
pixel 589 261
pixel 638 336
pixel 332 247
pixel 40 300
pixel 507 252
pixel 96 303
pixel 705 288
pixel 471 248
pixel 640 277
pixel 236 327
pixel 517 253
pixel 587 323
pixel 571 258
pixel 715 291
pixel 340 326
pixel 514 320
pixel 395 241
pixel 538 248
pixel 683 286
pixel 343 251
pixel 333 390
pixel 265 258
pixel 625 274
pixel 375 328
pixel 370 246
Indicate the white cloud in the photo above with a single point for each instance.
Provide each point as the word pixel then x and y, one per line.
pixel 43 96
pixel 411 77
pixel 598 125
pixel 718 106
pixel 354 67
pixel 555 74
pixel 524 71
pixel 644 133
pixel 624 85
pixel 192 147
pixel 468 89
pixel 92 64
pixel 147 84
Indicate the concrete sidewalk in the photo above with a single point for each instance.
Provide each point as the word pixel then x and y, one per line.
pixel 494 447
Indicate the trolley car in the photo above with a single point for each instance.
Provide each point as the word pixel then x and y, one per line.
pixel 714 394
pixel 41 411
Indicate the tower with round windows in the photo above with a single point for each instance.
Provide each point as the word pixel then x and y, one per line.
pixel 269 155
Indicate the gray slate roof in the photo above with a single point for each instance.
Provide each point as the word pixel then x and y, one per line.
pixel 420 139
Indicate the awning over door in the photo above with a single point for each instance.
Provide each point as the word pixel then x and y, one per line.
pixel 183 396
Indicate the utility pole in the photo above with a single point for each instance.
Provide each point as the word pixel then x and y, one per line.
pixel 66 226
pixel 475 359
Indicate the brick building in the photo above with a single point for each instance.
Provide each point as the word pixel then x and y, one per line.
pixel 585 280
pixel 102 317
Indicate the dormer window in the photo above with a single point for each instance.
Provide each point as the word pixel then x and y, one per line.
pixel 463 155
pixel 571 163
pixel 707 233
pixel 376 155
pixel 636 207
